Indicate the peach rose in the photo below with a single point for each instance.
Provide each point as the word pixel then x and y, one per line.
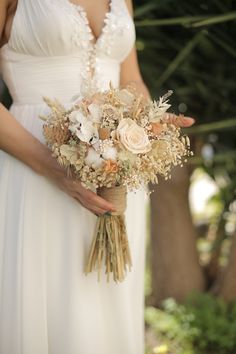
pixel 111 166
pixel 133 137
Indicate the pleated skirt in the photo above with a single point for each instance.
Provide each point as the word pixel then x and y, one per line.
pixel 47 304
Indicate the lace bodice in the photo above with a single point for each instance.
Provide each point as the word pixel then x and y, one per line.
pixel 51 41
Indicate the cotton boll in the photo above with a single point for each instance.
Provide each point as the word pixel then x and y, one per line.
pixel 88 133
pixel 93 158
pixel 77 119
pixel 85 131
pixel 110 153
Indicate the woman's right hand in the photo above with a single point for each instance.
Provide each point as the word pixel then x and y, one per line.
pixel 74 188
pixel 84 196
pixel 20 143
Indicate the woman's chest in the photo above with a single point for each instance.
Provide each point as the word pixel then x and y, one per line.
pixel 59 27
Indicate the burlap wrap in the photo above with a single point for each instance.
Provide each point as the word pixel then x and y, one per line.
pixel 117 196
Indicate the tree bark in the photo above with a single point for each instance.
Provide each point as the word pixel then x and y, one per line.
pixel 175 265
pixel 225 285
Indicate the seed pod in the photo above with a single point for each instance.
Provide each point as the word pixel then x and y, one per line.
pixel 55 134
pixel 104 133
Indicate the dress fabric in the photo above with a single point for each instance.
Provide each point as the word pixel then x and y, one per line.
pixel 47 304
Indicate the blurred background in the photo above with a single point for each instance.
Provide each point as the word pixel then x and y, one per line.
pixel 190 283
pixel 190 47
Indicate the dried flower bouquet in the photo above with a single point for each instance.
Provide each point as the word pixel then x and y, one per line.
pixel 114 141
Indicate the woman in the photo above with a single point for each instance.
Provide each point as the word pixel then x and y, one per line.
pixel 47 305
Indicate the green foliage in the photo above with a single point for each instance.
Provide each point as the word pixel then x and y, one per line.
pixel 203 325
pixel 189 47
pixel 173 327
pixel 216 324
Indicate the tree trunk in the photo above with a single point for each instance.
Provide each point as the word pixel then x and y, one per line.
pixel 175 266
pixel 225 285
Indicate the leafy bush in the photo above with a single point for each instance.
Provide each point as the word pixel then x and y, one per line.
pixel 216 324
pixel 203 325
pixel 173 326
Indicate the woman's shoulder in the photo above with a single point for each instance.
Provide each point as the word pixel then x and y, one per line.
pixel 7 10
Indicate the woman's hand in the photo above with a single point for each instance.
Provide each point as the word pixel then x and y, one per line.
pixel 85 197
pixel 74 188
pixel 17 141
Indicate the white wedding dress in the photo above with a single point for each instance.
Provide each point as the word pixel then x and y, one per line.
pixel 47 304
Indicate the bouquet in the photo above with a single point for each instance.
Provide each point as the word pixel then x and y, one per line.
pixel 113 142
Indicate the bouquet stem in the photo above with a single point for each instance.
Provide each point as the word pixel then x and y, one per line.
pixel 110 244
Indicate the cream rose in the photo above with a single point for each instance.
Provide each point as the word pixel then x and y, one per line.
pixel 133 137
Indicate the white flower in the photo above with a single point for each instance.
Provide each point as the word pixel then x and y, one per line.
pixel 89 133
pixel 93 158
pixel 126 97
pixel 83 128
pixel 105 150
pixel 95 113
pixel 133 137
pixel 77 117
pixel 110 153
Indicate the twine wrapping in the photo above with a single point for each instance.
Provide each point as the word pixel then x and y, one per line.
pixel 110 245
pixel 115 195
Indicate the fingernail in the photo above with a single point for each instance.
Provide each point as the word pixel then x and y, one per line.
pixel 108 213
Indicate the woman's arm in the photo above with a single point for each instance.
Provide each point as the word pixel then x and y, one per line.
pixel 3 11
pixel 18 142
pixel 130 71
pixel 130 74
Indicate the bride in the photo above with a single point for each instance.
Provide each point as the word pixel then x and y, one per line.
pixel 47 305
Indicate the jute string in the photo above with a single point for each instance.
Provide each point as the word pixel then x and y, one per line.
pixel 115 195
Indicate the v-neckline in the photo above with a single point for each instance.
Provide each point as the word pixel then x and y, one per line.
pixel 95 40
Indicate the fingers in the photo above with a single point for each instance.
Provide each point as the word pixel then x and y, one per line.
pixel 185 122
pixel 92 210
pixel 102 203
pixel 91 200
pixel 179 121
pixel 91 207
pixel 95 210
pixel 86 197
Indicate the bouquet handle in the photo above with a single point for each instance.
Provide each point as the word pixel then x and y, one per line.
pixel 110 244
